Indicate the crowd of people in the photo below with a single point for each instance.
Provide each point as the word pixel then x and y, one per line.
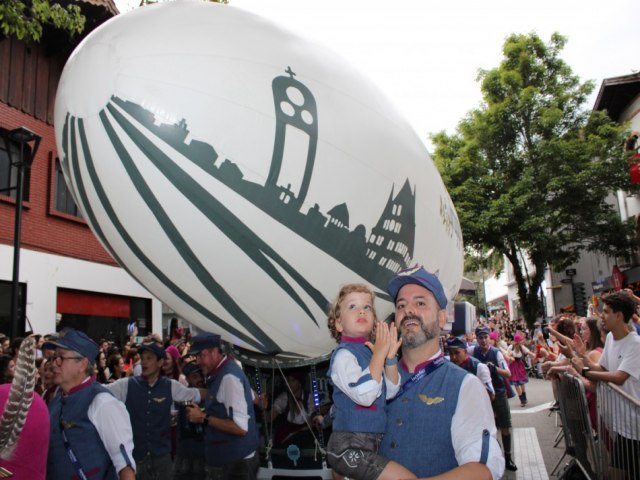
pixel 404 404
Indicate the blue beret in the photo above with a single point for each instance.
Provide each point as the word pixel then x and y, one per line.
pixel 70 339
pixel 204 341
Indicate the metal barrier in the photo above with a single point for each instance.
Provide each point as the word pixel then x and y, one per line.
pixel 579 436
pixel 618 433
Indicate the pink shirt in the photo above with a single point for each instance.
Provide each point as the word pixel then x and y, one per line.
pixel 29 459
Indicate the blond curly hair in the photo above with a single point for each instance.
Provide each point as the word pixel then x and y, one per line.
pixel 334 311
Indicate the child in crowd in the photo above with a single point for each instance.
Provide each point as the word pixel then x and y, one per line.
pixel 364 375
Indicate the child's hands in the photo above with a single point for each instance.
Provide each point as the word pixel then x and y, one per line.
pixel 394 341
pixel 381 347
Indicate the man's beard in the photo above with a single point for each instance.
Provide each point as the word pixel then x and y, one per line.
pixel 411 339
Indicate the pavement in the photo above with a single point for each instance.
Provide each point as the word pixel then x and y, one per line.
pixel 535 433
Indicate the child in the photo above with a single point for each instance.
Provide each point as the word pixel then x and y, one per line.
pixel 361 387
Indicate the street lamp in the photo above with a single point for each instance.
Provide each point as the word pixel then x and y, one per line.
pixel 26 140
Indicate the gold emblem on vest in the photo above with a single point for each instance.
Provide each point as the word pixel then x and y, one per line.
pixel 430 400
pixel 67 425
pixel 159 399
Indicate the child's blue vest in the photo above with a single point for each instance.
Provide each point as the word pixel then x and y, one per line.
pixel 349 416
pixel 150 410
pixel 223 448
pixel 418 433
pixel 71 412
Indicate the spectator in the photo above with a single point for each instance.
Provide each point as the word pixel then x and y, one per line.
pixel 101 368
pixel 115 365
pixel 620 365
pixel 25 423
pixel 15 347
pixel 7 368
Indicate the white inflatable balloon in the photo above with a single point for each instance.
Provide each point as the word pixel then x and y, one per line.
pixel 242 174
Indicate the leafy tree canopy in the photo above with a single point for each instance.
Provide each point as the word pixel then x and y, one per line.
pixel 530 170
pixel 25 19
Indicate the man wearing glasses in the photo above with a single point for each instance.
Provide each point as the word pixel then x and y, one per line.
pixel 91 433
pixel 231 437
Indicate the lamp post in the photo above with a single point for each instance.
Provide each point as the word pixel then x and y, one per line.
pixel 26 140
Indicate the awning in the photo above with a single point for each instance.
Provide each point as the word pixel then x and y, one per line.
pixel 467 286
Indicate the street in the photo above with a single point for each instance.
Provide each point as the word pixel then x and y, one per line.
pixel 534 434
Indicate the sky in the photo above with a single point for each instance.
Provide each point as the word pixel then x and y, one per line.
pixel 425 55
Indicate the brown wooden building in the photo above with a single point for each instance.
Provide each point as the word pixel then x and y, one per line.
pixel 66 277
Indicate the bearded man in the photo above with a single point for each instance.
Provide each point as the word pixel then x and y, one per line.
pixel 441 420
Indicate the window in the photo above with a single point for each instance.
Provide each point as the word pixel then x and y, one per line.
pixel 63 200
pixel 9 173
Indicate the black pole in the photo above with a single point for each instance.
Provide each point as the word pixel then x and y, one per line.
pixel 15 285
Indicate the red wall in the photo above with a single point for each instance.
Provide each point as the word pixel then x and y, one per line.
pixel 42 228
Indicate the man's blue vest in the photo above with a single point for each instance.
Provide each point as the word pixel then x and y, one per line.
pixel 471 365
pixel 222 448
pixel 349 416
pixel 150 410
pixel 491 356
pixel 418 433
pixel 189 436
pixel 71 412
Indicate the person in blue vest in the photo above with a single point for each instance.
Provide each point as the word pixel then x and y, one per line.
pixel 231 436
pixel 493 358
pixel 441 420
pixel 458 354
pixel 364 375
pixel 91 434
pixel 189 461
pixel 148 399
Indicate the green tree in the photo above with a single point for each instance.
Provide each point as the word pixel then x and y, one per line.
pixel 531 168
pixel 26 19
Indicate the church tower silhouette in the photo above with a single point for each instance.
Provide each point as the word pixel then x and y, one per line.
pixel 296 107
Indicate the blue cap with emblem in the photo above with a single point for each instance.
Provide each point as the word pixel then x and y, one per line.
pixel 70 339
pixel 154 348
pixel 204 341
pixel 455 342
pixel 419 276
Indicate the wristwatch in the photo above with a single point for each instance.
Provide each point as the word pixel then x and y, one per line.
pixel 585 371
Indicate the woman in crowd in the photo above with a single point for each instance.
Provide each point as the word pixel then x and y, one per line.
pixel 171 366
pixel 7 368
pixel 519 353
pixel 132 362
pixel 175 332
pixel 46 379
pixel 115 364
pixel 102 373
pixel 589 344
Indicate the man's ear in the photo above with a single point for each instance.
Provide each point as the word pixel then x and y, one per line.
pixel 442 318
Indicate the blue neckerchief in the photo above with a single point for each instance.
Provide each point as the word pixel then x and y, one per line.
pixel 419 375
